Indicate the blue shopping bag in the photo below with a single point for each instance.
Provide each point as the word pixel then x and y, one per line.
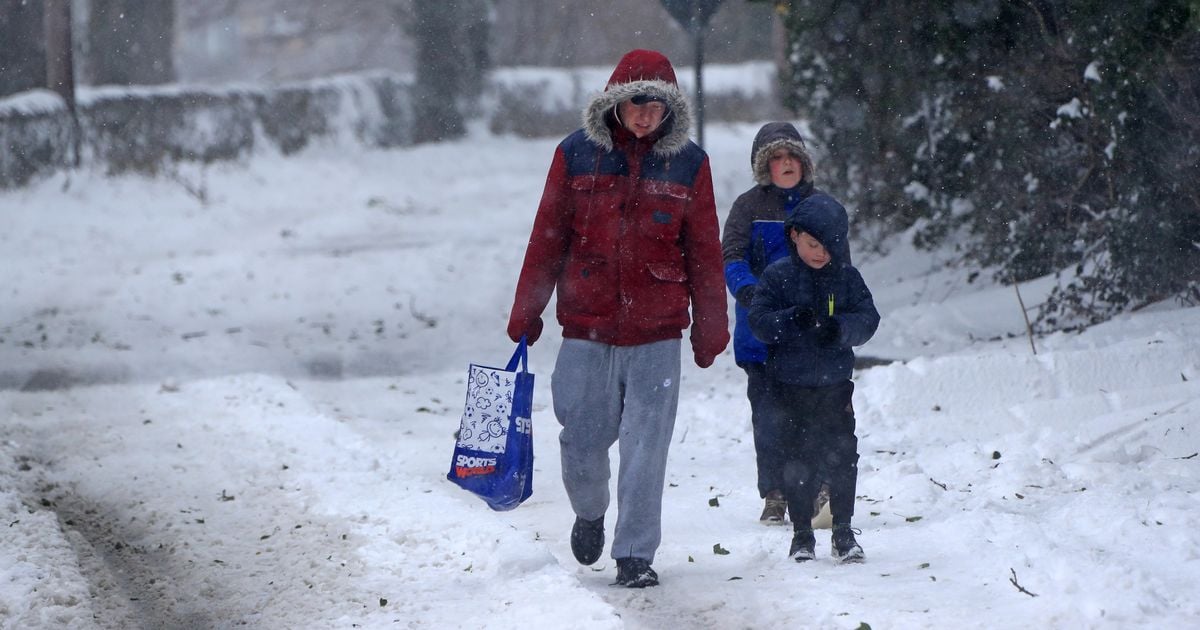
pixel 493 454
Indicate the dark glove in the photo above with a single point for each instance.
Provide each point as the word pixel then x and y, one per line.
pixel 828 331
pixel 703 360
pixel 745 295
pixel 805 318
pixel 531 331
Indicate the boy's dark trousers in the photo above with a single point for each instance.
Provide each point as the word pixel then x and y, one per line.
pixel 817 431
pixel 764 417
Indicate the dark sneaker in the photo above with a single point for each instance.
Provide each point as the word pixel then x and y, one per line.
pixel 845 548
pixel 775 509
pixel 804 545
pixel 635 573
pixel 587 540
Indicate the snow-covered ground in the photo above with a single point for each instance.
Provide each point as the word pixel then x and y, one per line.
pixel 228 398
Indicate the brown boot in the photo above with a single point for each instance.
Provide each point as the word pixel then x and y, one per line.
pixel 775 510
pixel 822 518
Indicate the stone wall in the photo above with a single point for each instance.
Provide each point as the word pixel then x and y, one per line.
pixel 141 129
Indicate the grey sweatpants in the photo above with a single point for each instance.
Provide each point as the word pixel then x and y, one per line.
pixel 605 394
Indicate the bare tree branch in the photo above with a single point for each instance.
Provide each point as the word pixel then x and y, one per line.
pixel 1013 580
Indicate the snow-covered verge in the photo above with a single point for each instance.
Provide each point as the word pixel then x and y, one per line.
pixel 236 409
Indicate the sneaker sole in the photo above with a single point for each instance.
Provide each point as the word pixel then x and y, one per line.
pixel 635 584
pixel 584 554
pixel 589 559
pixel 854 557
pixel 641 582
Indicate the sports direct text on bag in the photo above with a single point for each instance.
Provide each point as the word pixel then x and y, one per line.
pixel 467 466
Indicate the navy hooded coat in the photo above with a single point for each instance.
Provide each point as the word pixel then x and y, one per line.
pixel 834 292
pixel 753 236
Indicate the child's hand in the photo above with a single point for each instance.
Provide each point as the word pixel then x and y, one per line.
pixel 828 331
pixel 745 295
pixel 805 318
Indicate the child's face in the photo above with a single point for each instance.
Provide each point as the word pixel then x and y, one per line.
pixel 811 251
pixel 786 170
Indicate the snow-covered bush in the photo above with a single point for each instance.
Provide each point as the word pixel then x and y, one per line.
pixel 1059 137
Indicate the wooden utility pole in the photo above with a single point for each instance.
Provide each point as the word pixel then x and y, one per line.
pixel 60 62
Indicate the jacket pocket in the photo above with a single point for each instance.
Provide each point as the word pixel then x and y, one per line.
pixel 661 210
pixel 667 189
pixel 587 288
pixel 667 272
pixel 593 202
pixel 667 291
pixel 594 182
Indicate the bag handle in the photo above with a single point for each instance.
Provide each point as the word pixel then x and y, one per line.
pixel 520 356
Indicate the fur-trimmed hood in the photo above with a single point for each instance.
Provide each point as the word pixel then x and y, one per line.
pixel 645 72
pixel 772 136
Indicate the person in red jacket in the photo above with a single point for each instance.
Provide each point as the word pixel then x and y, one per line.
pixel 626 234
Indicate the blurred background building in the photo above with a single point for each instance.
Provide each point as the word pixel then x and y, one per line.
pixel 128 42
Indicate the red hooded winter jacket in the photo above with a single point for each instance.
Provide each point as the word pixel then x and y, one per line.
pixel 627 228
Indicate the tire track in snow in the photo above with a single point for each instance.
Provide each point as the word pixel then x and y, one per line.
pixel 127 583
pixel 133 585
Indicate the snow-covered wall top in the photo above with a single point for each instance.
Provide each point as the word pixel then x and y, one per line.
pixel 535 102
pixel 145 128
pixel 141 128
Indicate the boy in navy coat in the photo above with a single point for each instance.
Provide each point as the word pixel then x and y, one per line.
pixel 752 239
pixel 810 309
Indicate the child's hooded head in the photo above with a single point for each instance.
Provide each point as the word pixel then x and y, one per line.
pixel 824 219
pixel 779 138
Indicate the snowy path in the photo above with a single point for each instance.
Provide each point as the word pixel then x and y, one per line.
pixel 344 501
pixel 266 389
